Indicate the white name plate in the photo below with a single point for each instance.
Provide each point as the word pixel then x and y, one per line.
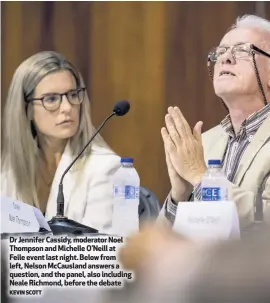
pixel 207 220
pixel 17 217
pixel 41 219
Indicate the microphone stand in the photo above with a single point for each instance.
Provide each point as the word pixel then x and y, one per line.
pixel 60 224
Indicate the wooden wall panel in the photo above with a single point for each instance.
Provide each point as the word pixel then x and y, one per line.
pixel 63 25
pixel 151 53
pixel 127 50
pixel 11 43
pixel 267 9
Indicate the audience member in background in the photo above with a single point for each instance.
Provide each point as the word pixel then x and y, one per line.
pixel 46 124
pixel 172 269
pixel 241 78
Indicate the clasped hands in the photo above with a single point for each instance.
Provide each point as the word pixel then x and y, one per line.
pixel 184 153
pixel 186 166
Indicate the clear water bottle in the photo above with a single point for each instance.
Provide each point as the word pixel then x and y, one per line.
pixel 126 192
pixel 214 184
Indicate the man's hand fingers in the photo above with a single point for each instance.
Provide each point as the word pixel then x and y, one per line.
pixel 197 131
pixel 171 130
pixel 168 159
pixel 168 143
pixel 181 123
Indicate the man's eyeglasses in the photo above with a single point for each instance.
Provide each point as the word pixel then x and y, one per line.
pixel 239 51
pixel 52 102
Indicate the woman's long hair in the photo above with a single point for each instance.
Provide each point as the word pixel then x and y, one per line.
pixel 20 150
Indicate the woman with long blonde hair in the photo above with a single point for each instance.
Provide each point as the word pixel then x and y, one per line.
pixel 46 123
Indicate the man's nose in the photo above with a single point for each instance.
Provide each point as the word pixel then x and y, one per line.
pixel 227 58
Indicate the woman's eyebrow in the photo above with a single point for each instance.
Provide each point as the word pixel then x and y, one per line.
pixel 53 93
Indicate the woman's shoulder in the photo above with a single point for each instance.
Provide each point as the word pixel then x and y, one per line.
pixel 102 159
pixel 99 150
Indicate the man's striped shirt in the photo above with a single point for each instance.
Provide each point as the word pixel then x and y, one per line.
pixel 236 146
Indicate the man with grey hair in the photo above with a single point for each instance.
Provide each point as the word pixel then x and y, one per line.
pixel 241 78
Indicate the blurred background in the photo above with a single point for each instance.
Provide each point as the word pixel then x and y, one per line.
pixel 150 53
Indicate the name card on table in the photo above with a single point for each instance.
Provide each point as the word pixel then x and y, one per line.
pixel 19 217
pixel 207 220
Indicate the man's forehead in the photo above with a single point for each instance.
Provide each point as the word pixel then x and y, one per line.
pixel 242 35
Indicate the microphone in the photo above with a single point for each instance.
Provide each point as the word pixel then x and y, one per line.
pixel 60 224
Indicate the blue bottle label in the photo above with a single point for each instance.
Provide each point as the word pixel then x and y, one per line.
pixel 211 194
pixel 127 192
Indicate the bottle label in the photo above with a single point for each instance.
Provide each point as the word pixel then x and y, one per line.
pixel 127 192
pixel 211 194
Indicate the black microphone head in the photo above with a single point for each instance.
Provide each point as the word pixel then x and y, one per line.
pixel 121 108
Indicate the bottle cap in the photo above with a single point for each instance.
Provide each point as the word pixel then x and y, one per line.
pixel 214 162
pixel 127 160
